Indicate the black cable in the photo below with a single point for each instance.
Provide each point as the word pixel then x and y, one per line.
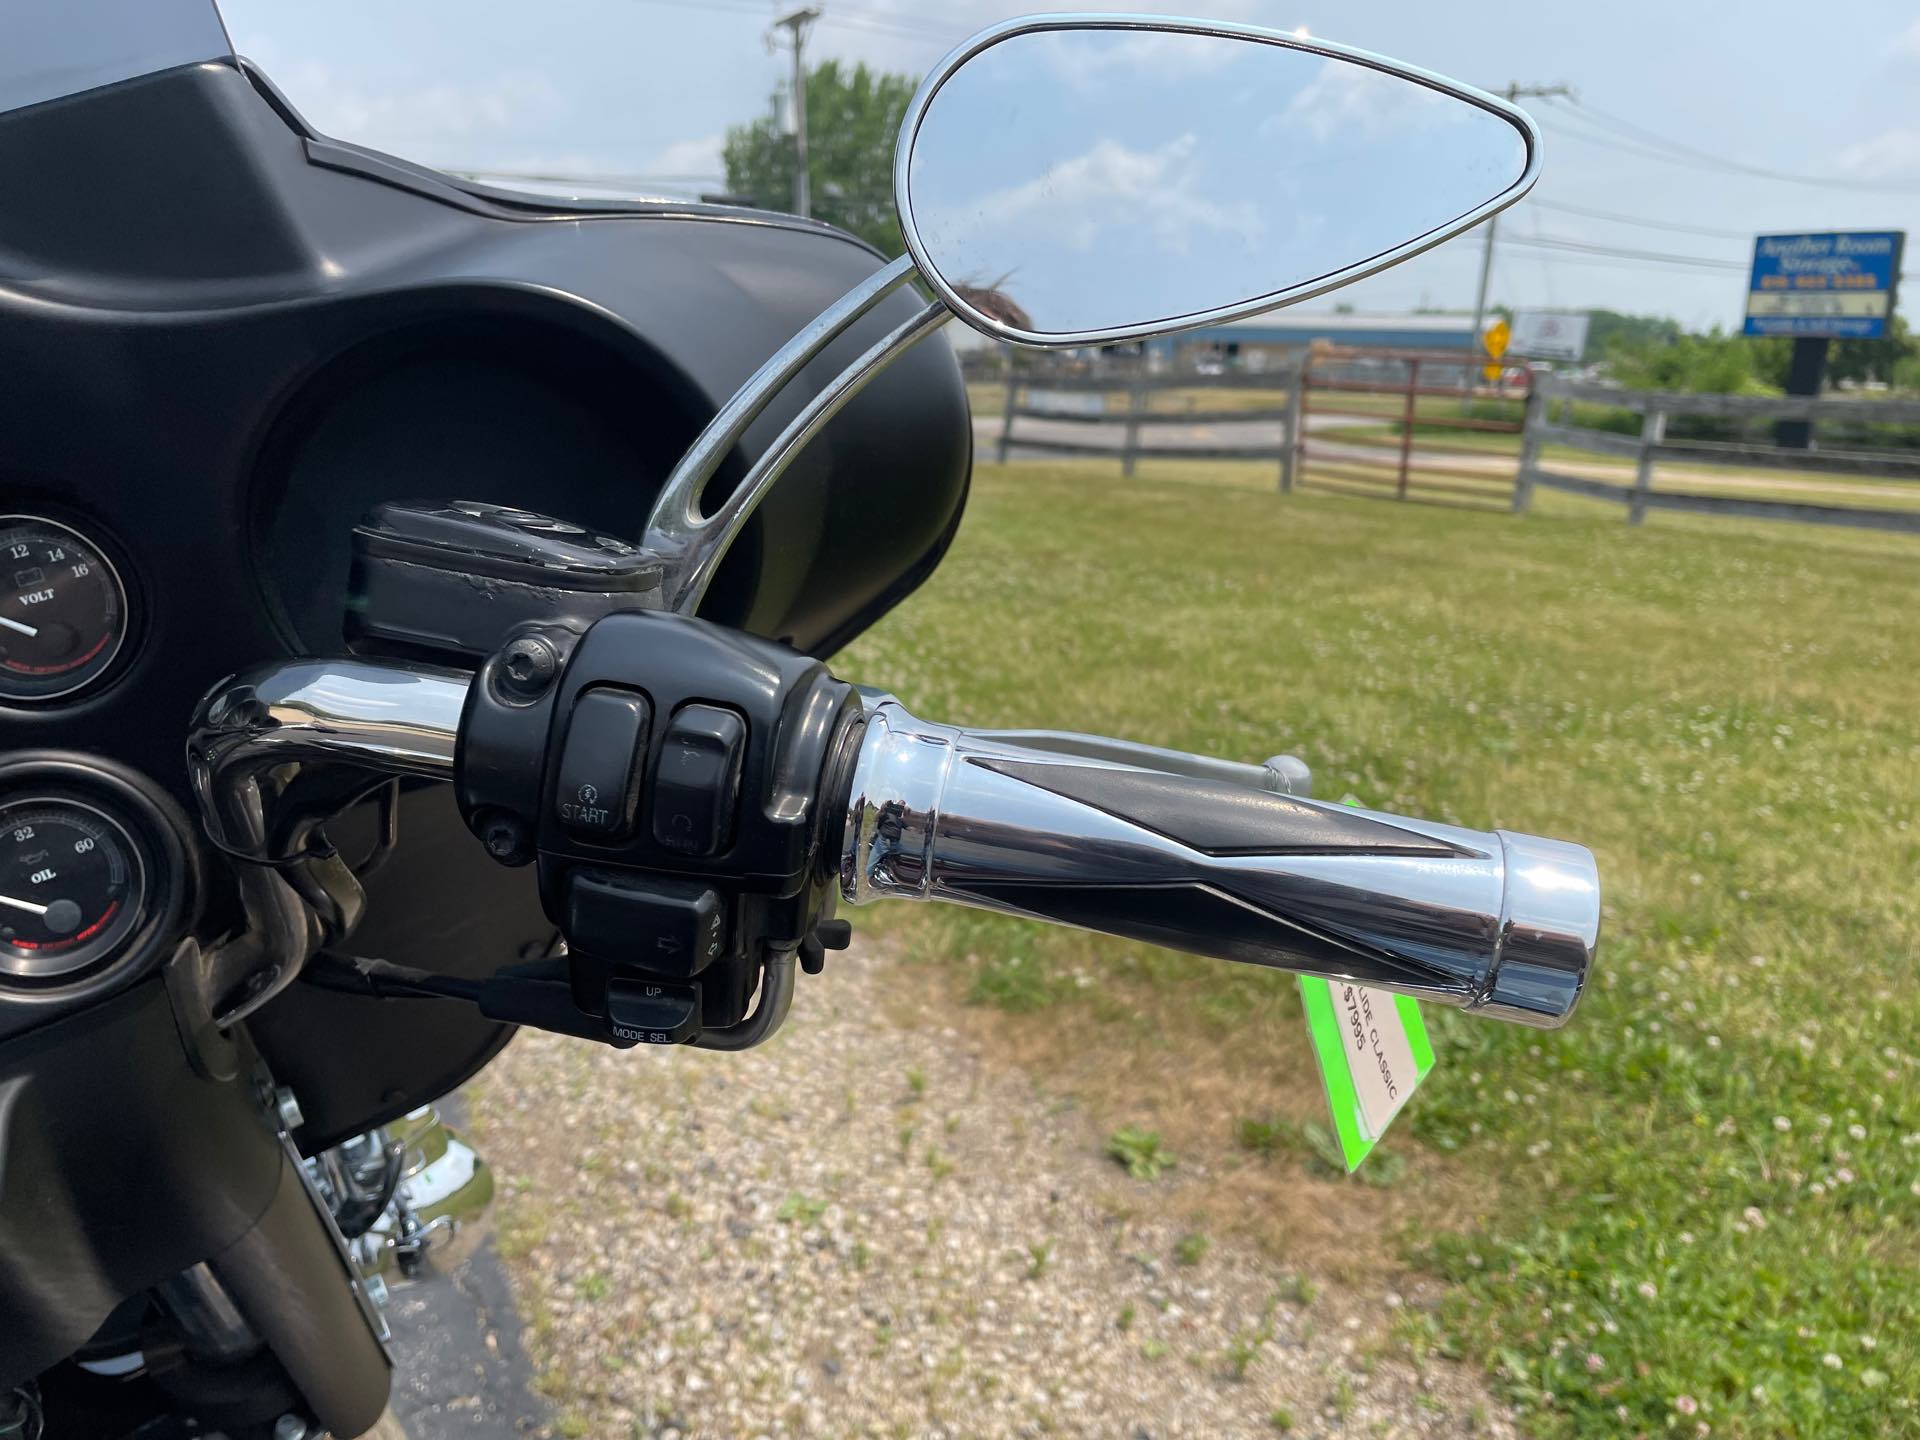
pixel 384 980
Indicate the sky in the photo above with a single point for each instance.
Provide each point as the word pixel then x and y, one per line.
pixel 647 88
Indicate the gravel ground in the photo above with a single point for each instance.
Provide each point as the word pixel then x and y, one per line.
pixel 861 1229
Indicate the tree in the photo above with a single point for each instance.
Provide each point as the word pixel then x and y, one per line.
pixel 1609 330
pixel 1873 359
pixel 1716 363
pixel 852 118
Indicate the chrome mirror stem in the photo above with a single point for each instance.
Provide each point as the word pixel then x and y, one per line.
pixel 692 542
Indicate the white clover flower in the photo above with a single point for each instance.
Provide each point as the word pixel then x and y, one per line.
pixel 1648 1290
pixel 1857 1131
pixel 1831 1361
pixel 1782 1124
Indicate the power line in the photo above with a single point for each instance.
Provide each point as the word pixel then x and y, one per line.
pixel 1659 257
pixel 855 18
pixel 861 15
pixel 737 7
pixel 1653 146
pixel 1620 219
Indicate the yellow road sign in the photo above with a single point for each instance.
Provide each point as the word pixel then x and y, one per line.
pixel 1492 371
pixel 1499 335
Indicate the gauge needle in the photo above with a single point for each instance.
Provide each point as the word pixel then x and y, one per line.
pixel 26 905
pixel 26 630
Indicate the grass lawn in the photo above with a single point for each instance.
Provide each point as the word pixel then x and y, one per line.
pixel 1697 1204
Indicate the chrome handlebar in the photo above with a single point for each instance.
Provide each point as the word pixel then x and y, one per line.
pixel 1193 853
pixel 277 750
pixel 1498 923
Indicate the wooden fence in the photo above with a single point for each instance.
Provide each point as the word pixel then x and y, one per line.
pixel 1030 395
pixel 1386 457
pixel 1548 422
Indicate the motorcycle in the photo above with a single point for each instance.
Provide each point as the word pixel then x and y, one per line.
pixel 556 746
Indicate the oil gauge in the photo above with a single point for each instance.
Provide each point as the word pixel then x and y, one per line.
pixel 72 887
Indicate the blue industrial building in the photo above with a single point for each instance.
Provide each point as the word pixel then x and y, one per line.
pixel 1278 335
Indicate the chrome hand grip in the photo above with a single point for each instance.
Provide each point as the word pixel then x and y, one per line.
pixel 1494 922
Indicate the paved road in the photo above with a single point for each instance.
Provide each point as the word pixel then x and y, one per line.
pixel 460 1369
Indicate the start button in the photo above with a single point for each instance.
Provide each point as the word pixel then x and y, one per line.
pixel 597 790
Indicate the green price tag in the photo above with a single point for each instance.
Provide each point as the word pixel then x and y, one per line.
pixel 1373 1051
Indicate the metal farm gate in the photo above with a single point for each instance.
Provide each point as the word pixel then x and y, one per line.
pixel 1410 424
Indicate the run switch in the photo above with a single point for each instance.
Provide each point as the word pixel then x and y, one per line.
pixel 598 790
pixel 697 787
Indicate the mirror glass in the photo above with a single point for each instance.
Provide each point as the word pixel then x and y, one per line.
pixel 1095 179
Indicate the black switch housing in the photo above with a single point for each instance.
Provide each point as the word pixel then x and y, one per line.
pixel 696 788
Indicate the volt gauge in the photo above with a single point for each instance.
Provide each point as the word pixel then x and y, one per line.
pixel 63 610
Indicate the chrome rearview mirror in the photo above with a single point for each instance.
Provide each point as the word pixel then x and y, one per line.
pixel 1067 180
pixel 1086 179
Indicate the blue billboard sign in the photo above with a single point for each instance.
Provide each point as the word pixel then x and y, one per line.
pixel 1836 284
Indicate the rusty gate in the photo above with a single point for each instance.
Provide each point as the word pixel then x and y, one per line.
pixel 1410 424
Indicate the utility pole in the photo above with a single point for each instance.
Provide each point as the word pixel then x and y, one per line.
pixel 795 24
pixel 1515 91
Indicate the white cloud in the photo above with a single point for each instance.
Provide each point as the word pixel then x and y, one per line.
pixel 1889 155
pixel 1096 62
pixel 1348 99
pixel 698 156
pixel 1907 46
pixel 439 122
pixel 1083 195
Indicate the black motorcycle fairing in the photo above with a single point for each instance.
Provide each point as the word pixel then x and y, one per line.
pixel 120 1165
pixel 223 338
